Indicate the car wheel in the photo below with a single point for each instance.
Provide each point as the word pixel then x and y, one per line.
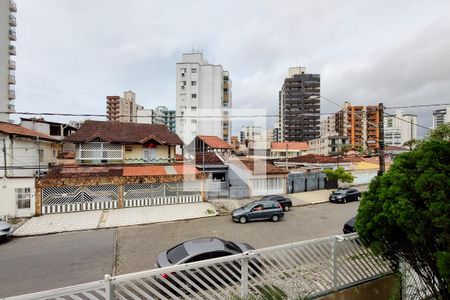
pixel 286 208
pixel 275 218
pixel 344 200
pixel 243 220
pixel 358 198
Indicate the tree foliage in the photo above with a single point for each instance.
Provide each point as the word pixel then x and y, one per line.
pixel 411 144
pixel 340 174
pixel 441 132
pixel 406 214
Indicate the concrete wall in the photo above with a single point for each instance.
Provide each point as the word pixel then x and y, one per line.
pixel 8 196
pixel 380 289
pixel 363 176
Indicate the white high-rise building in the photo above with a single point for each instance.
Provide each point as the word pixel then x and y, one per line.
pixel 328 127
pixel 7 64
pixel 203 99
pixel 441 116
pixel 399 129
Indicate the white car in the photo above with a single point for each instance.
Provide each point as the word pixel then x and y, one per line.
pixel 5 230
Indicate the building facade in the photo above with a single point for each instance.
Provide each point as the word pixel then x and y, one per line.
pixel 399 129
pixel 329 145
pixel 203 97
pixel 54 129
pixel 7 64
pixel 441 116
pixel 158 115
pixel 328 126
pixel 360 125
pixel 299 106
pixel 122 109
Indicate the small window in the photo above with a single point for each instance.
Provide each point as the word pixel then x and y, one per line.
pixel 193 96
pixel 128 148
pixel 194 70
pixel 193 108
pixel 183 83
pixel 41 155
pixel 23 197
pixel 193 121
pixel 193 82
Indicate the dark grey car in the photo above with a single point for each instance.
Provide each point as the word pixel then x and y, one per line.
pixel 258 210
pixel 345 195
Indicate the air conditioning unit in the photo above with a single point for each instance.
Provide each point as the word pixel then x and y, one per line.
pixel 38 173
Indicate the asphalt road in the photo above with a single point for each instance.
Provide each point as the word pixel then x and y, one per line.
pixel 46 262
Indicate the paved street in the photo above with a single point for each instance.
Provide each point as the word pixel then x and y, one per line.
pixel 138 246
pixel 32 264
pixel 48 262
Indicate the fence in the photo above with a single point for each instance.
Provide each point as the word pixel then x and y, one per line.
pixel 313 268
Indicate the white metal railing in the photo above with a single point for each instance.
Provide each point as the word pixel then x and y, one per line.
pixel 316 267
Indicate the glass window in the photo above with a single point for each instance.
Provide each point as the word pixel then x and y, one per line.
pixel 23 197
pixel 176 254
pixel 194 70
pixel 193 96
pixel 193 82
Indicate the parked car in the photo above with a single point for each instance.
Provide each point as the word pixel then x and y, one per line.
pixel 202 249
pixel 5 230
pixel 258 210
pixel 286 203
pixel 345 195
pixel 349 226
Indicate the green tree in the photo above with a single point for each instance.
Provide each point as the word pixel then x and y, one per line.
pixel 411 144
pixel 406 214
pixel 441 132
pixel 340 174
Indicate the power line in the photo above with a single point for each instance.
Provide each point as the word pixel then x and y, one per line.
pixel 419 105
pixel 409 122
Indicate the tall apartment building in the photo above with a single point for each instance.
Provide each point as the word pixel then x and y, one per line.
pixel 158 115
pixel 7 64
pixel 360 124
pixel 328 127
pixel 203 93
pixel 122 109
pixel 276 132
pixel 299 106
pixel 250 133
pixel 399 129
pixel 441 116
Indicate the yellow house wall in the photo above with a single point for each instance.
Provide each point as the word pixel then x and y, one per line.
pixel 136 153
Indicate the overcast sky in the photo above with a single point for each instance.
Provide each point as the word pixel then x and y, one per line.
pixel 71 54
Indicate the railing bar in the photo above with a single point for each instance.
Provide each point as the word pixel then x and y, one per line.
pixel 201 281
pixel 138 289
pixel 233 270
pixel 219 270
pixel 368 268
pixel 354 267
pixel 150 288
pixel 177 285
pixel 193 284
pixel 161 286
pixel 126 290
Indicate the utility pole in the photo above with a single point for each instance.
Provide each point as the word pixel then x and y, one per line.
pixel 381 138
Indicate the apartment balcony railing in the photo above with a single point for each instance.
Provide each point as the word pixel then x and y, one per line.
pixel 11 64
pixel 12 35
pixel 12 6
pixel 11 94
pixel 12 21
pixel 12 50
pixel 11 79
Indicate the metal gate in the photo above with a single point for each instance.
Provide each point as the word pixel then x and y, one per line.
pixel 79 198
pixel 149 194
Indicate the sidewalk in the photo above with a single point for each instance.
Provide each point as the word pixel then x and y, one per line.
pixel 88 220
pixel 225 206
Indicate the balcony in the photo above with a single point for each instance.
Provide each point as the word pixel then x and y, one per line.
pixel 12 50
pixel 12 21
pixel 11 94
pixel 11 79
pixel 12 35
pixel 12 6
pixel 11 64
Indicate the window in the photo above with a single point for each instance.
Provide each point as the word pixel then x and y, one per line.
pixel 41 155
pixel 128 148
pixel 23 197
pixel 193 121
pixel 193 96
pixel 193 82
pixel 183 83
pixel 194 70
pixel 193 108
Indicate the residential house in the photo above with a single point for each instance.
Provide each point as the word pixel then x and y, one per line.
pixel 329 145
pixel 100 142
pixel 26 154
pixel 288 149
pixel 54 129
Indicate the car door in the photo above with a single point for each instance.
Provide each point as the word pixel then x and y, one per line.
pixel 268 209
pixel 256 213
pixel 353 195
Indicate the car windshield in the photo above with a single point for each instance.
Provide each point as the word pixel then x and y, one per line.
pixel 232 246
pixel 248 206
pixel 176 254
pixel 340 192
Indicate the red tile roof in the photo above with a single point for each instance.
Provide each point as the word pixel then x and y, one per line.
pixel 8 128
pixel 144 171
pixel 76 171
pixel 214 142
pixel 124 133
pixel 211 158
pixel 301 146
pixel 268 169
pixel 319 159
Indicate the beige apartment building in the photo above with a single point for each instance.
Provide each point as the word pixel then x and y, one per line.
pixel 122 109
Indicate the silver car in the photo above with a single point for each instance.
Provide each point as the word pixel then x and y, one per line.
pixel 5 230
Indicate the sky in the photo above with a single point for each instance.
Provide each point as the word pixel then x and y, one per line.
pixel 72 54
